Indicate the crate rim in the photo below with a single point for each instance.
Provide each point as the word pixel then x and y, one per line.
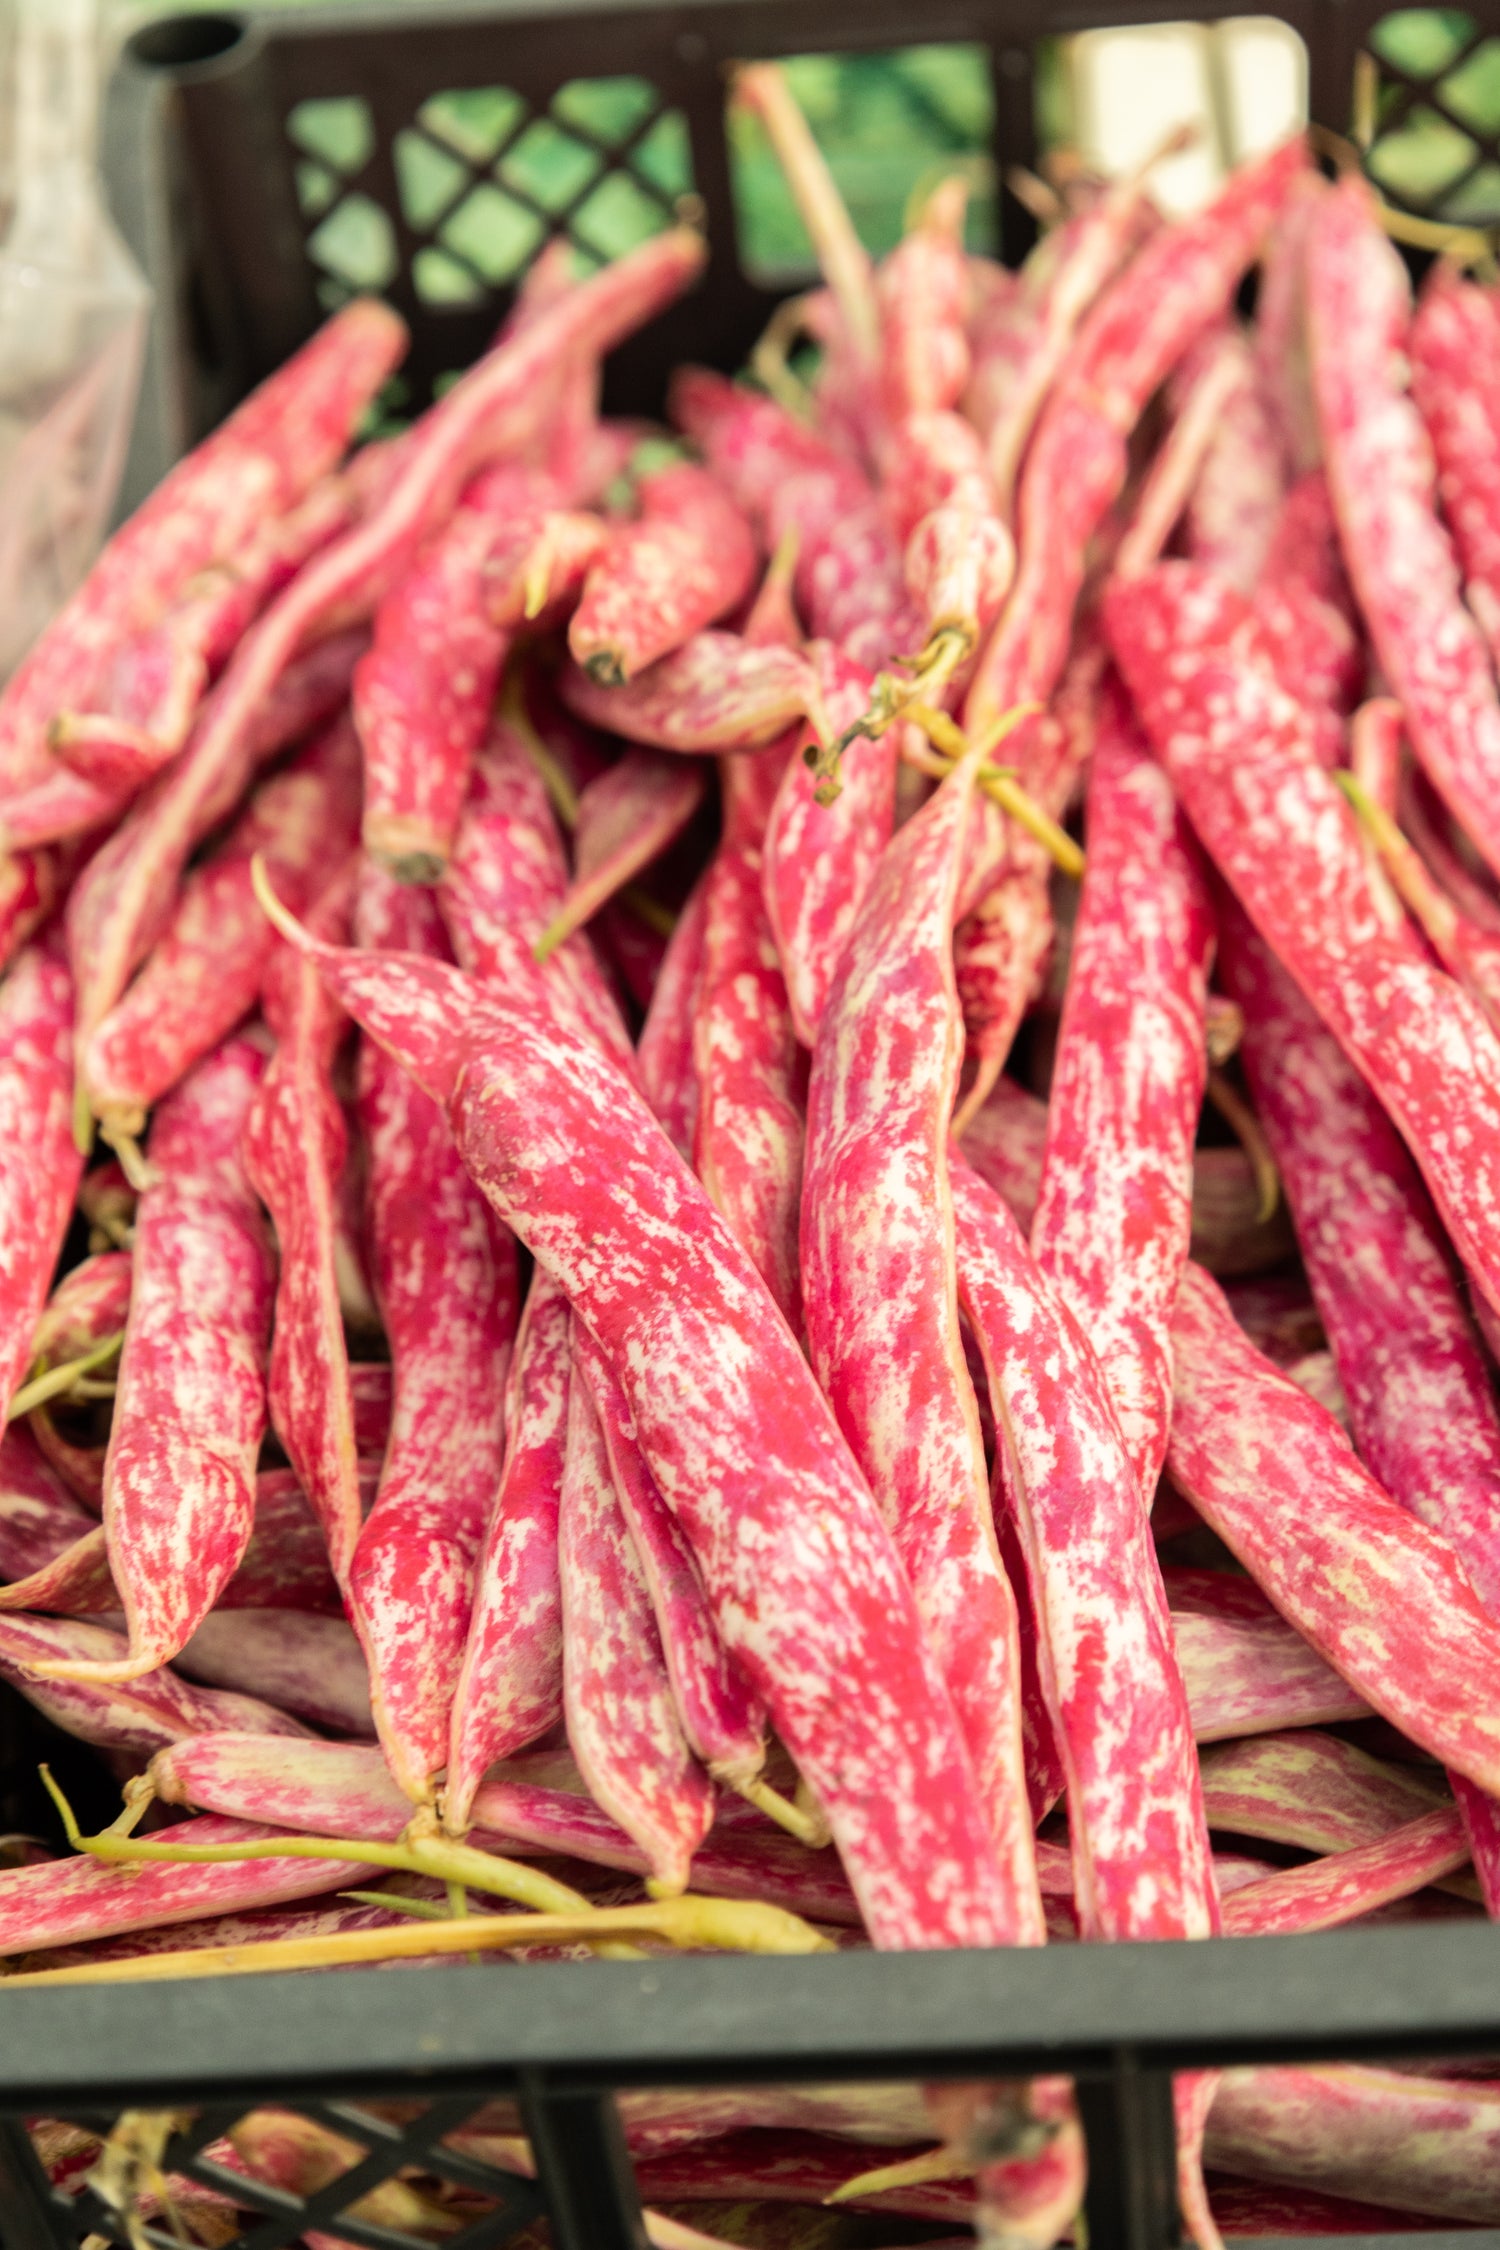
pixel 1352 1995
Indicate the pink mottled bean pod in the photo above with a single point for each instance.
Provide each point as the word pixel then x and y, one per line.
pixel 1384 1599
pixel 626 819
pixel 715 692
pixel 445 1280
pixel 1114 1214
pixel 41 1169
pixel 1243 759
pixel 509 1687
pixel 881 1295
pixel 1107 1661
pixel 688 559
pixel 190 1410
pixel 205 971
pixel 723 1722
pixel 754 1470
pixel 623 1725
pixel 1380 472
pixel 1455 373
pixel 72 1671
pixel 295 1144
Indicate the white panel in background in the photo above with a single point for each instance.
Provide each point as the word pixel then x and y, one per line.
pixel 1241 83
pixel 1131 89
pixel 1263 71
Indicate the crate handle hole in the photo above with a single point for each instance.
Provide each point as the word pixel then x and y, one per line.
pixel 178 42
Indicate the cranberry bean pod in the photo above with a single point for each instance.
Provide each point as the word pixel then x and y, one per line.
pixel 190 1411
pixel 345 1789
pixel 626 819
pixel 666 1056
pixel 748 1132
pixel 1327 1892
pixel 818 860
pixel 258 464
pixel 289 1658
pixel 205 971
pixel 41 1170
pixel 1114 1213
pixel 1430 2145
pixel 1108 1667
pixel 1251 1676
pixel 922 293
pixel 1455 366
pixel 1236 502
pixel 622 1720
pixel 506 881
pixel 1310 1789
pixel 422 694
pixel 715 692
pixel 688 559
pixel 509 1686
pixel 1384 1599
pixel 445 1280
pixel 1243 761
pixel 70 1670
pixel 881 1295
pixel 754 1469
pixel 74 1901
pixel 116 910
pixel 723 1722
pixel 295 1143
pixel 1076 465
pixel 1380 471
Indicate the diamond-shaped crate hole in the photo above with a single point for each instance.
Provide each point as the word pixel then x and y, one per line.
pixel 355 244
pixel 487 181
pixel 550 167
pixel 1436 115
pixel 410 2175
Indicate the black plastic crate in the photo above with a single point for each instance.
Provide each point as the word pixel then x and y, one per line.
pixel 211 183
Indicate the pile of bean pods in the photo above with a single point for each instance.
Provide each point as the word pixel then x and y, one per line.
pixel 624 1324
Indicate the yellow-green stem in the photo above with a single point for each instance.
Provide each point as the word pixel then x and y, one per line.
pixel 58 1381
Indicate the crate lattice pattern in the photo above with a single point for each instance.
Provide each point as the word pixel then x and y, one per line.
pixel 386 2180
pixel 1435 117
pixel 483 181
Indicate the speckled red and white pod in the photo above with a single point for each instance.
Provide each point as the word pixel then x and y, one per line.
pixel 74 1900
pixel 665 1060
pixel 291 1659
pixel 880 1296
pixel 190 1410
pixel 295 1145
pixel 444 1271
pixel 1311 1789
pixel 1384 1599
pixel 205 971
pixel 723 1721
pixel 1242 758
pixel 715 692
pixel 1324 1893
pixel 507 879
pixel 803 1579
pixel 1455 372
pixel 423 691
pixel 748 1131
pixel 509 1687
pixel 1416 2144
pixel 41 1169
pixel 256 465
pixel 687 559
pixel 1108 1666
pixel 1077 461
pixel 621 1714
pixel 73 1672
pixel 818 859
pixel 118 907
pixel 1253 1675
pixel 1114 1214
pixel 1384 486
pixel 626 818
